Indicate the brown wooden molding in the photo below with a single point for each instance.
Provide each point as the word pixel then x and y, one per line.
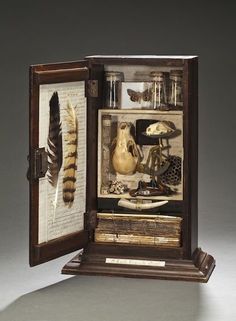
pixel 175 269
pixel 50 250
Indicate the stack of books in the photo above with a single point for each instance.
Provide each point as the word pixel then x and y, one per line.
pixel 139 229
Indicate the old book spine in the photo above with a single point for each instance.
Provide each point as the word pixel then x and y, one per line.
pixel 157 219
pixel 138 228
pixel 138 239
pixel 106 143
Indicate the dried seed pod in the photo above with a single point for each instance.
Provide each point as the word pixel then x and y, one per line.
pixel 173 174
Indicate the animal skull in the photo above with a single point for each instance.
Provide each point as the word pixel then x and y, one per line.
pixel 159 128
pixel 125 155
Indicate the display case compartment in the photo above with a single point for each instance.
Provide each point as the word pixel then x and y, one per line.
pixel 137 84
pixel 109 122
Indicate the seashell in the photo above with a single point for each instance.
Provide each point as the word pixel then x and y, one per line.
pixel 117 187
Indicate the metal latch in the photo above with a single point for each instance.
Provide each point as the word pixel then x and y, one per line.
pixel 92 88
pixel 38 164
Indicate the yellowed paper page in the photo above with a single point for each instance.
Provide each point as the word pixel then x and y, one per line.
pixel 55 218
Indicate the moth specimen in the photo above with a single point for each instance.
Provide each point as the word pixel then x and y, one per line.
pixel 137 96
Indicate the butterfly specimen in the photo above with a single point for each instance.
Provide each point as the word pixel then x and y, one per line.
pixel 70 157
pixel 137 96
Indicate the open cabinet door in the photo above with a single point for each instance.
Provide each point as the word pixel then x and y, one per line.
pixel 57 159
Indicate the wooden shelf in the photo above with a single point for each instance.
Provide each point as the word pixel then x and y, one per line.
pixel 175 197
pixel 139 111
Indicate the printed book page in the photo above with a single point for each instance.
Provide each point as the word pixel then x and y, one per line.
pixel 57 217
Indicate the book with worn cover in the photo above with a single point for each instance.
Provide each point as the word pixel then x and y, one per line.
pixel 139 229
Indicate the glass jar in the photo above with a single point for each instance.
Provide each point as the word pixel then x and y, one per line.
pixel 175 97
pixel 159 98
pixel 112 89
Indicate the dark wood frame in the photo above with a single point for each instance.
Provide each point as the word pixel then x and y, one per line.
pixel 185 263
pixel 46 74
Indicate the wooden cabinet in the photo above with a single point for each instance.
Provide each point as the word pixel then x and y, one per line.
pixel 113 167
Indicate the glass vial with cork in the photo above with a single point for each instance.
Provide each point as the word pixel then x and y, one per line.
pixel 159 98
pixel 175 97
pixel 113 89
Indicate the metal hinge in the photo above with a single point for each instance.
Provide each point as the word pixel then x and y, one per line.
pixel 38 164
pixel 92 88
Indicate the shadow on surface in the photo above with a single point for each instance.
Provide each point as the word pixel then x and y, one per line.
pixel 107 299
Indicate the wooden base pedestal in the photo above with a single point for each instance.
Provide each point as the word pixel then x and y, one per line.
pixel 93 262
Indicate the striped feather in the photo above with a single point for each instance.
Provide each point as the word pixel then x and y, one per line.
pixel 70 157
pixel 54 149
